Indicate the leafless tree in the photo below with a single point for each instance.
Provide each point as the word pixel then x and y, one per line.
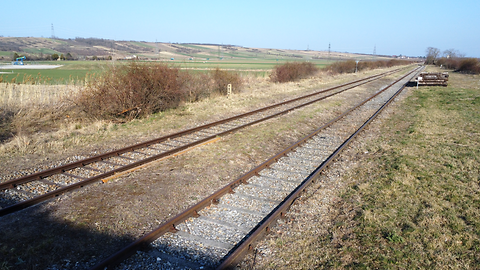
pixel 452 53
pixel 432 55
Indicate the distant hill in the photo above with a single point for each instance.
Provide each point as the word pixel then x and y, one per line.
pixel 93 48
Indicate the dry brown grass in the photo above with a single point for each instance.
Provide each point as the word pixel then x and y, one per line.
pixel 18 96
pixel 27 109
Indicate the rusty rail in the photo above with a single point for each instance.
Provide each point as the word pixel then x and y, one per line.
pixel 61 169
pixel 245 244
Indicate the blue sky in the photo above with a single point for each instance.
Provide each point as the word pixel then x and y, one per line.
pixel 391 27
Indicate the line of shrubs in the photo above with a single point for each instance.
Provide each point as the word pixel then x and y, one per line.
pixel 293 71
pixel 351 66
pixel 138 89
pixel 464 65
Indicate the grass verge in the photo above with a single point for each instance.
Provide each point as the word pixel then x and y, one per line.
pixel 418 202
pixel 413 204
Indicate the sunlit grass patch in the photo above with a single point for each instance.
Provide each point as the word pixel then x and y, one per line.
pixel 421 206
pixel 411 201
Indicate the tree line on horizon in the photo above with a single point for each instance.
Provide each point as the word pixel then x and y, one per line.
pixel 452 59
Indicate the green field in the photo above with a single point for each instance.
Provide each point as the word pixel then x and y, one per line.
pixel 239 64
pixel 193 57
pixel 70 72
pixel 75 71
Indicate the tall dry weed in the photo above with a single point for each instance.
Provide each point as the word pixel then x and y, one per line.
pixel 26 109
pixel 16 96
pixel 21 143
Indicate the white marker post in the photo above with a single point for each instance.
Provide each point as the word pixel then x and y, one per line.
pixel 229 90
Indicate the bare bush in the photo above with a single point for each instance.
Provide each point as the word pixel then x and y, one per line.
pixel 342 67
pixel 137 90
pixel 197 86
pixel 465 65
pixel 290 72
pixel 448 63
pixel 222 78
pixel 351 66
pixel 131 91
pixel 469 65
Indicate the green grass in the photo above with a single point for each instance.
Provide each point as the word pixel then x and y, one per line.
pixel 418 203
pixel 70 71
pixel 238 64
pixel 49 76
pixel 77 70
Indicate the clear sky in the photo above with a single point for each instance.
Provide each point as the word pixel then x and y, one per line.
pixel 404 27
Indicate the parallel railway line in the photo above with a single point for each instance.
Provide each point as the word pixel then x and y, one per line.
pixel 20 193
pixel 217 231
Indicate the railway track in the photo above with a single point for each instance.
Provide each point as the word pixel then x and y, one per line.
pixel 20 193
pixel 216 232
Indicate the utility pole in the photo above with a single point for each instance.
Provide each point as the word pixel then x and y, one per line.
pixel 53 32
pixel 328 51
pixel 113 52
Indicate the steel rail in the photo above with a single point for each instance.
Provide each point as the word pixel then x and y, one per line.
pixel 81 163
pixel 38 176
pixel 264 226
pixel 169 226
